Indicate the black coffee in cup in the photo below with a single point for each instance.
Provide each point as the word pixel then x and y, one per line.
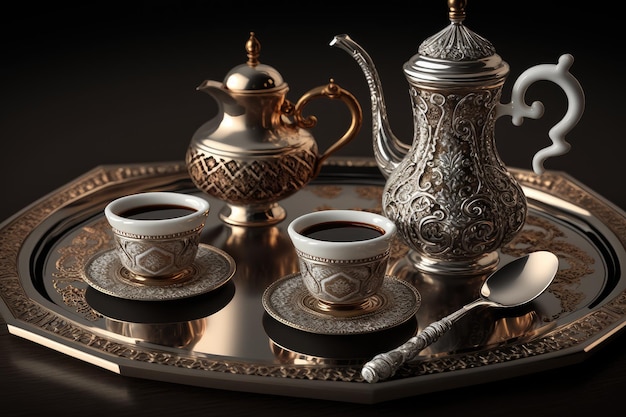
pixel 342 231
pixel 157 212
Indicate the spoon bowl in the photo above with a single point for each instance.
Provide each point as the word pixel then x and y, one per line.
pixel 521 280
pixel 516 283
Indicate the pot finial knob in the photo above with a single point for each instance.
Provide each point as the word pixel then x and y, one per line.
pixel 253 48
pixel 457 10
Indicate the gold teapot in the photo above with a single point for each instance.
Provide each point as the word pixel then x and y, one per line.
pixel 452 198
pixel 259 149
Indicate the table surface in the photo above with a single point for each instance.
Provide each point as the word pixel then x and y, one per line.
pixel 85 87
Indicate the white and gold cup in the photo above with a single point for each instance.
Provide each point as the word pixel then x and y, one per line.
pixel 343 255
pixel 157 234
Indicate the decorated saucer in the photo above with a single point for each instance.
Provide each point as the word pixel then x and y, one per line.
pixel 289 302
pixel 211 269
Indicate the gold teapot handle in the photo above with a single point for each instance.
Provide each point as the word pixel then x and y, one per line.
pixel 332 91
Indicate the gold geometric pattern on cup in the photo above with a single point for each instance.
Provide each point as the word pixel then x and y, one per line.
pixel 340 286
pixel 343 284
pixel 157 237
pixel 155 261
pixel 156 258
pixel 320 259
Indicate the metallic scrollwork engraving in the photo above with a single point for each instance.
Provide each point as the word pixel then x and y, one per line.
pixel 537 232
pixel 452 198
pixel 456 43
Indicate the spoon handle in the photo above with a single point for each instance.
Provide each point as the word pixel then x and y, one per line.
pixel 384 365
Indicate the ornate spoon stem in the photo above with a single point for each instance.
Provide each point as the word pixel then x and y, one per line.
pixel 385 365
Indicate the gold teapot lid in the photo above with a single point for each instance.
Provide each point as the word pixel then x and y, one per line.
pixel 456 56
pixel 253 76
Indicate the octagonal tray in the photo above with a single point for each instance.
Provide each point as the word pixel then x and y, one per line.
pixel 224 339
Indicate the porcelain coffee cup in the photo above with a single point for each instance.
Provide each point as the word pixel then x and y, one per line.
pixel 157 234
pixel 343 254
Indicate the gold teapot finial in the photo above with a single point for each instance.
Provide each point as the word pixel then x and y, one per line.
pixel 457 10
pixel 253 48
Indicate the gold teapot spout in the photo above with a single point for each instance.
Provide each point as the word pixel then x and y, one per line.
pixel 226 102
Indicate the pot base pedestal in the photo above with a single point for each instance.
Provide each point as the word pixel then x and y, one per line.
pixel 252 214
pixel 415 262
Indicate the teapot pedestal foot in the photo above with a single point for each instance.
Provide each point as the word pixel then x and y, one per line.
pixel 252 214
pixel 415 262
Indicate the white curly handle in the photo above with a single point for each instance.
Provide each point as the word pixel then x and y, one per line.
pixel 518 109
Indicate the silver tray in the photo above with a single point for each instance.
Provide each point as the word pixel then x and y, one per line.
pixel 225 339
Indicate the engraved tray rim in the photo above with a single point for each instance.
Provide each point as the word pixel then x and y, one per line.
pixel 27 318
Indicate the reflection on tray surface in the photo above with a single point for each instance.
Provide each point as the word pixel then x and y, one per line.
pixel 231 321
pixel 150 321
pixel 182 335
pixel 293 346
pixel 173 323
pixel 261 253
pixel 161 312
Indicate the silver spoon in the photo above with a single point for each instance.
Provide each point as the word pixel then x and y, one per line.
pixel 516 283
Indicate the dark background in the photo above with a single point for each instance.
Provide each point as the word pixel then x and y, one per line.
pixel 100 82
pixel 108 83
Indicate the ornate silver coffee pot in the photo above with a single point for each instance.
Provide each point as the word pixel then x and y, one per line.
pixel 449 193
pixel 259 149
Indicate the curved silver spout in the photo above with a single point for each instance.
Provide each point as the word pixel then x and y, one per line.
pixel 388 149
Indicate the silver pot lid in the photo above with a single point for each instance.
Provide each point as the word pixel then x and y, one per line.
pixel 456 56
pixel 253 76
